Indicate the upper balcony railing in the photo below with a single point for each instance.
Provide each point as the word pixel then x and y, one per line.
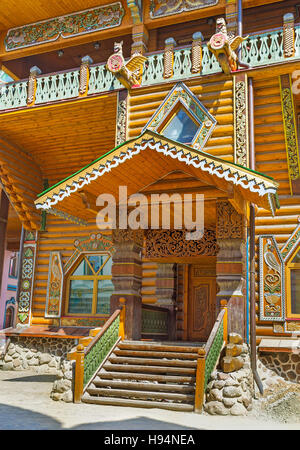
pixel 257 50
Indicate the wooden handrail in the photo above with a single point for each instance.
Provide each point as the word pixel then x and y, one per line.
pixel 102 331
pixel 82 351
pixel 203 353
pixel 213 332
pixel 155 308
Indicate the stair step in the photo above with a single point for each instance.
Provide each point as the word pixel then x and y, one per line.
pixel 110 375
pixel 145 395
pixel 98 382
pixel 148 369
pixel 152 362
pixel 137 345
pixel 154 354
pixel 137 403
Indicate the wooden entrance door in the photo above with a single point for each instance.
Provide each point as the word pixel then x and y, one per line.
pixel 201 304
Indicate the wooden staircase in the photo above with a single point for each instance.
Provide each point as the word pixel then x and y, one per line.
pixel 146 375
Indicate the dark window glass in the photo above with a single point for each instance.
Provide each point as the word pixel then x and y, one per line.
pixel 181 128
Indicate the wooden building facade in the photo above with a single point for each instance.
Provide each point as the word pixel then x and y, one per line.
pixel 167 97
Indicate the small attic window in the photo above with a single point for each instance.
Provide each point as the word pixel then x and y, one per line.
pixel 181 127
pixel 182 118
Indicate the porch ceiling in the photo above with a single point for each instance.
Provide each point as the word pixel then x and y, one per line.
pixel 63 137
pixel 141 162
pixel 14 14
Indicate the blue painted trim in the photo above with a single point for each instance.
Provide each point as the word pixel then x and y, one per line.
pixel 11 287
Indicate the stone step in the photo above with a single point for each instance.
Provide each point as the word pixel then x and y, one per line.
pixel 140 345
pixel 87 398
pixel 155 354
pixel 98 382
pixel 149 369
pixel 152 362
pixel 111 375
pixel 144 395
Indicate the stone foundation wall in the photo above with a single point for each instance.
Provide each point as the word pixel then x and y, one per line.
pixel 231 393
pixel 286 365
pixel 43 354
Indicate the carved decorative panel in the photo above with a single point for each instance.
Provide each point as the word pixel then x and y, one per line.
pixel 161 243
pixel 241 120
pixel 27 279
pixel 201 307
pixel 121 118
pixel 271 280
pixel 229 222
pixel 290 131
pixel 55 286
pixel 94 243
pixel 71 25
pixel 161 8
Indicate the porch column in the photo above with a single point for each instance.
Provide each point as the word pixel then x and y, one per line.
pixel 127 279
pixel 231 265
pixel 4 206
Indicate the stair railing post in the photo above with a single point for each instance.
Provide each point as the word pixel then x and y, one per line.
pixel 79 373
pixel 224 306
pixel 122 328
pixel 200 381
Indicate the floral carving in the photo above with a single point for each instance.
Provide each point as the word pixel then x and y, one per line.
pixel 229 222
pixel 271 280
pixel 290 130
pixel 161 8
pixel 160 243
pixel 240 110
pixel 83 22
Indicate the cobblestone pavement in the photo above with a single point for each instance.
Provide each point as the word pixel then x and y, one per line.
pixel 25 405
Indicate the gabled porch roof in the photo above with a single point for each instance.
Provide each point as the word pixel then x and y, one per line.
pixel 141 161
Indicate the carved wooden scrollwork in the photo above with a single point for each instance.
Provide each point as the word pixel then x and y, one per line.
pixel 162 243
pixel 229 222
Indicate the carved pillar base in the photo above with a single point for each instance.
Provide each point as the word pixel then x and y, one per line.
pixel 231 267
pixel 127 279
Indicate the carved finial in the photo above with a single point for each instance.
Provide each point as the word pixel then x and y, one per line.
pixel 129 73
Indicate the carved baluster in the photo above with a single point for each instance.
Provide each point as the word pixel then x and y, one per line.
pixel 169 57
pixel 197 52
pixel 288 35
pixel 84 75
pixel 34 72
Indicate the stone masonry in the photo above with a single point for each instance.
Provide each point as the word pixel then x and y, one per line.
pixel 285 364
pixel 44 355
pixel 230 389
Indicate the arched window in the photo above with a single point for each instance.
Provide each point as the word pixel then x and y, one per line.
pixel 89 286
pixel 293 284
pixel 9 316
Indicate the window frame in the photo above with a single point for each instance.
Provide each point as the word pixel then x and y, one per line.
pixel 94 277
pixel 172 113
pixel 290 266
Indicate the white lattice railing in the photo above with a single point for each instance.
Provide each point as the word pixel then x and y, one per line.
pixel 256 50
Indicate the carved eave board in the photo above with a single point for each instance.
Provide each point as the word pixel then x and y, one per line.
pixel 271 280
pixel 144 160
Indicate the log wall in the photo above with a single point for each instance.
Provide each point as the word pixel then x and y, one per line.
pixel 271 159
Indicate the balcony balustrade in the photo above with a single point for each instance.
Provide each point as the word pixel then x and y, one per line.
pixel 257 50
